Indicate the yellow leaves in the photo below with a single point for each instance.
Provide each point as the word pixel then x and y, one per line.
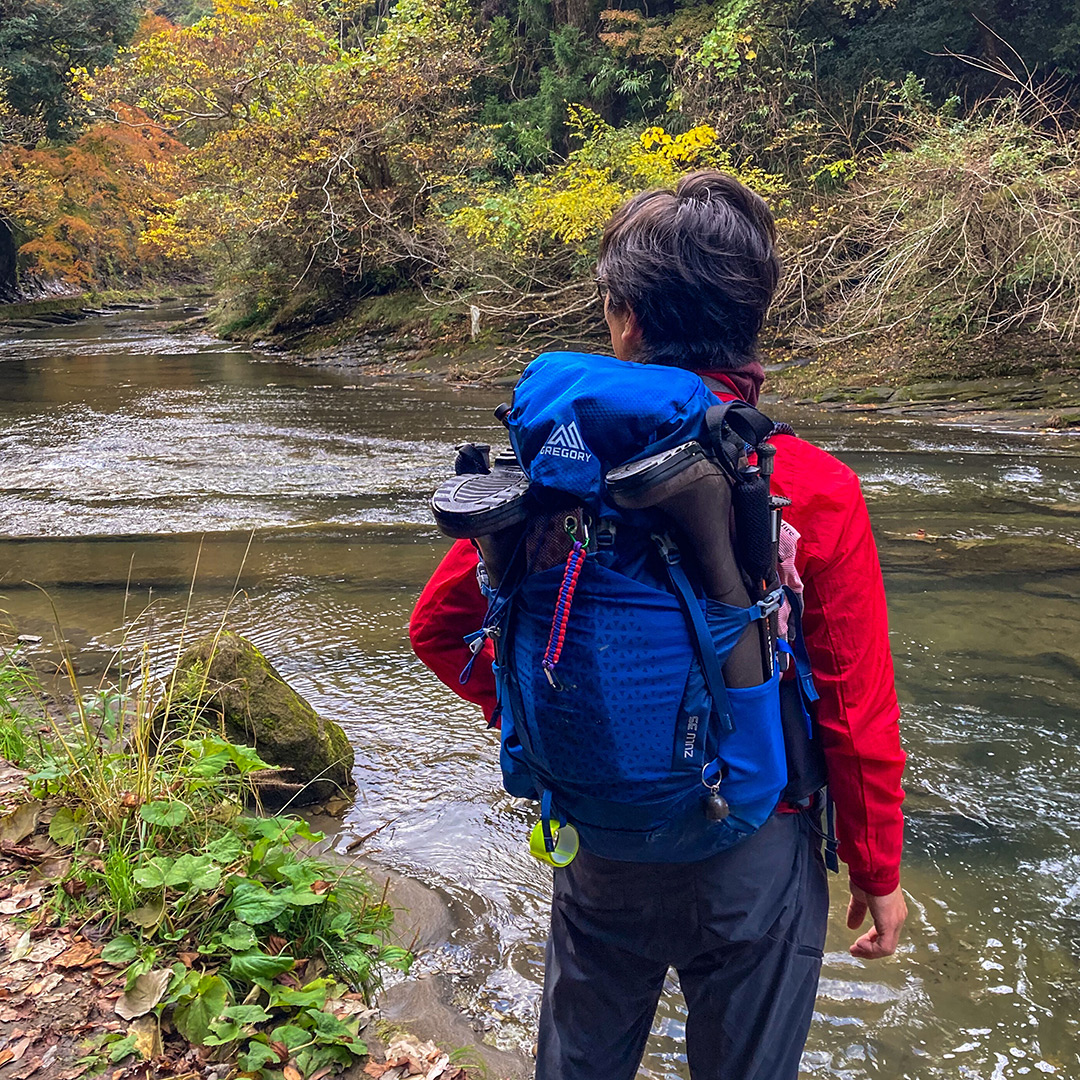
pixel 569 205
pixel 686 148
pixel 575 206
pixel 659 159
pixel 655 136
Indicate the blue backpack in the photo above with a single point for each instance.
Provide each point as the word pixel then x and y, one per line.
pixel 615 713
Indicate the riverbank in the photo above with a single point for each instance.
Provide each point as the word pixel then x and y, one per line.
pixel 1016 381
pixel 64 1006
pixel 39 314
pixel 276 949
pixel 90 983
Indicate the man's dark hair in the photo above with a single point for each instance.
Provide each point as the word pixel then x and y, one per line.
pixel 698 268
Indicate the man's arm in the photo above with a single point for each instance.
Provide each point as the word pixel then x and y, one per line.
pixel 846 629
pixel 450 607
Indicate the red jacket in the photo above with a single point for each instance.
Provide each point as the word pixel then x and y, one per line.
pixel 846 633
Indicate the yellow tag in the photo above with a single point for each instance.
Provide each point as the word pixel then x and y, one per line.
pixel 566 844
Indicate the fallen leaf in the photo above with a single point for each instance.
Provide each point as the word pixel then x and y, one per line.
pixel 149 915
pixel 375 1069
pixel 26 852
pixel 21 901
pixel 148 990
pixel 43 986
pixel 20 823
pixel 46 950
pixel 187 958
pixel 147 1032
pixel 6 1056
pixel 11 778
pixel 343 1008
pixel 74 887
pixel 52 867
pixel 80 954
pixel 22 947
pixel 438 1068
pixel 325 1071
pixel 19 1048
pixel 290 1072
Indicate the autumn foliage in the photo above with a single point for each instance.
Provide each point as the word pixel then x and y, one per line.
pixel 257 143
pixel 83 207
pixel 303 153
pixel 309 160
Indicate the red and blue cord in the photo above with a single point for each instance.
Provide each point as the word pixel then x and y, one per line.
pixel 561 618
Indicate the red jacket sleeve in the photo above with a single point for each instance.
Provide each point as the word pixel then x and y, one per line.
pixel 450 607
pixel 847 635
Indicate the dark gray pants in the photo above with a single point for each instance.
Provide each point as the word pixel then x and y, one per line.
pixel 744 930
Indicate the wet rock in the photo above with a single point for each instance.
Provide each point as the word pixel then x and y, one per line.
pixel 234 684
pixel 1063 420
pixel 875 395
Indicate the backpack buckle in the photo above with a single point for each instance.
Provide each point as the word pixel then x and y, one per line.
pixel 770 604
pixel 669 551
pixel 476 639
pixel 605 533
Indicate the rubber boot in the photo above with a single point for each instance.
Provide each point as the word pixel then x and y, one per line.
pixel 487 508
pixel 695 495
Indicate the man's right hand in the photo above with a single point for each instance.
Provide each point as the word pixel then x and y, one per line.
pixel 888 913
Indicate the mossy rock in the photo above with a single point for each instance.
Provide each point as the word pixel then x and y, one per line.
pixel 235 684
pixel 875 395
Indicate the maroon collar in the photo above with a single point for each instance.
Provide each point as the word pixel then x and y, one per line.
pixel 745 382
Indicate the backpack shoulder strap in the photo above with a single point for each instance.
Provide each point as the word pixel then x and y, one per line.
pixel 747 423
pixel 732 426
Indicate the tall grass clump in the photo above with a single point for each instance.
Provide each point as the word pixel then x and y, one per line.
pixel 970 228
pixel 222 919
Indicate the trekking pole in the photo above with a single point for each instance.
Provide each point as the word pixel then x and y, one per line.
pixel 766 460
pixel 753 533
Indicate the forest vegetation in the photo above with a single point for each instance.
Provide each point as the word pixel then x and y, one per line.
pixel 303 155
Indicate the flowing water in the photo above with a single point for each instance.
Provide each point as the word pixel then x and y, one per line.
pixel 130 455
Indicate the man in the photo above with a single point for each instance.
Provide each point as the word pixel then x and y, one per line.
pixel 687 278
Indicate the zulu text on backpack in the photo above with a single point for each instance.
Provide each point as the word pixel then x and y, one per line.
pixel 628 550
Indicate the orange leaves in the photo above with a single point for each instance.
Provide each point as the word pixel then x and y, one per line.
pixel 303 152
pixel 84 206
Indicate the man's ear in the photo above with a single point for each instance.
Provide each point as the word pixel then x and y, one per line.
pixel 631 333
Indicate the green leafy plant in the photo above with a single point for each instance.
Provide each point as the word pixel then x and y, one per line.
pixel 221 918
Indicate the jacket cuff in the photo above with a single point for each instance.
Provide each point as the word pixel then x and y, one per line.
pixel 878 885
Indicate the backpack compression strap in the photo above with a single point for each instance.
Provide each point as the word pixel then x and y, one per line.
pixel 734 425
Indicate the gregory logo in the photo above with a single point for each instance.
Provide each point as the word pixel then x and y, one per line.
pixel 566 442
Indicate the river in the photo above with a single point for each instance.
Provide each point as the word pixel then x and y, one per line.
pixel 130 455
